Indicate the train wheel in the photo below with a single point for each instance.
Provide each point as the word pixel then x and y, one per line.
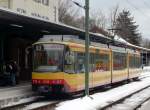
pixel 136 79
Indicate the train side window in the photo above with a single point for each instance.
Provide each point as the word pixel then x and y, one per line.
pixel 119 61
pixel 80 63
pixel 69 64
pixel 137 62
pixel 102 62
pixel 92 62
pixel 132 61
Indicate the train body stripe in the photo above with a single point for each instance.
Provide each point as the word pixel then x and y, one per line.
pixel 75 82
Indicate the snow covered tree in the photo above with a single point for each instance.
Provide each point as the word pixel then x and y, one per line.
pixel 126 28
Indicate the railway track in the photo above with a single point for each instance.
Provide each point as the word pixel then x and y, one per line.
pixel 50 104
pixel 131 102
pixel 38 104
pixel 41 105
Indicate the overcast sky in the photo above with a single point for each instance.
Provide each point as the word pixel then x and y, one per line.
pixel 140 10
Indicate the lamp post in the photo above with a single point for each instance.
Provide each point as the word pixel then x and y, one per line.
pixel 87 47
pixel 87 40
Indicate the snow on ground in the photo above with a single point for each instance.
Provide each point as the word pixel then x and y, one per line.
pixel 19 101
pixel 99 100
pixel 34 106
pixel 145 106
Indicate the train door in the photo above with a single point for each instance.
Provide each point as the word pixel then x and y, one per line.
pixel 80 70
pixel 131 65
pixel 128 64
pixel 91 69
pixel 120 71
pixel 109 67
pixel 70 74
pixel 102 73
pixel 106 64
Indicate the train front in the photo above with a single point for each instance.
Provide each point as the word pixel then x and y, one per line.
pixel 47 75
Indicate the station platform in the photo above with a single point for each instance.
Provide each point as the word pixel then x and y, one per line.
pixel 10 95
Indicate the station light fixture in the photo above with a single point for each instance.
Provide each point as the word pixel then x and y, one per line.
pixel 45 31
pixel 16 25
pixel 78 4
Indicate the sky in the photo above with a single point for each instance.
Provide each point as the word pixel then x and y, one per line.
pixel 139 9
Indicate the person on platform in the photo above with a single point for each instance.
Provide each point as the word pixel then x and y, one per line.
pixel 9 72
pixel 14 73
pixel 12 69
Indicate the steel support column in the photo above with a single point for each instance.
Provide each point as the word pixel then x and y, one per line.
pixel 87 47
pixel 1 53
pixel 146 59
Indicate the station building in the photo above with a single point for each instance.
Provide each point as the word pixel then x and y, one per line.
pixel 44 9
pixel 23 22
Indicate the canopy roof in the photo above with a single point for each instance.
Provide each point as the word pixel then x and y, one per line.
pixel 15 24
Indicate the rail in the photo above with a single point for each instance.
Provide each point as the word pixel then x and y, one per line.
pixel 121 102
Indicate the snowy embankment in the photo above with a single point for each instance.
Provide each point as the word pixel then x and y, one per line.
pixel 102 99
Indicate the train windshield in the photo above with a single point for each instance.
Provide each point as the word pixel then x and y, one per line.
pixel 48 58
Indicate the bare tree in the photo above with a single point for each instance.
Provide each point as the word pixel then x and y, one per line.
pixel 81 22
pixel 113 17
pixel 98 19
pixel 98 22
pixel 63 9
pixel 68 12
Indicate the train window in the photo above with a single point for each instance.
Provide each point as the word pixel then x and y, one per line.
pixel 80 63
pixel 69 65
pixel 48 58
pixel 92 63
pixel 134 61
pixel 131 61
pixel 119 61
pixel 137 62
pixel 102 62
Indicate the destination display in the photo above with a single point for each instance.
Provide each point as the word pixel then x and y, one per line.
pixel 49 47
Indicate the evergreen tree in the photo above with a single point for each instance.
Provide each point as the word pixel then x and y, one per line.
pixel 127 28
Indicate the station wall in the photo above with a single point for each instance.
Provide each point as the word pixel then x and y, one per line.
pixel 19 50
pixel 43 9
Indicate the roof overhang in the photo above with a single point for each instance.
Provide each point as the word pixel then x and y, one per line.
pixel 13 23
pixel 35 27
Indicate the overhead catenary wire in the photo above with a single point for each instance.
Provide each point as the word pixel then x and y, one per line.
pixel 137 9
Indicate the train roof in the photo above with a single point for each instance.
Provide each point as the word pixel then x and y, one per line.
pixel 74 44
pixel 37 26
pixel 92 45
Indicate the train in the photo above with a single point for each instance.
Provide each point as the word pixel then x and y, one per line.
pixel 59 66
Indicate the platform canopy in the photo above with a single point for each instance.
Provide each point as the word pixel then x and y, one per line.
pixel 16 24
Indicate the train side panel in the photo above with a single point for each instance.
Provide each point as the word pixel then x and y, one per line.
pixel 120 70
pixel 134 65
pixel 106 66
